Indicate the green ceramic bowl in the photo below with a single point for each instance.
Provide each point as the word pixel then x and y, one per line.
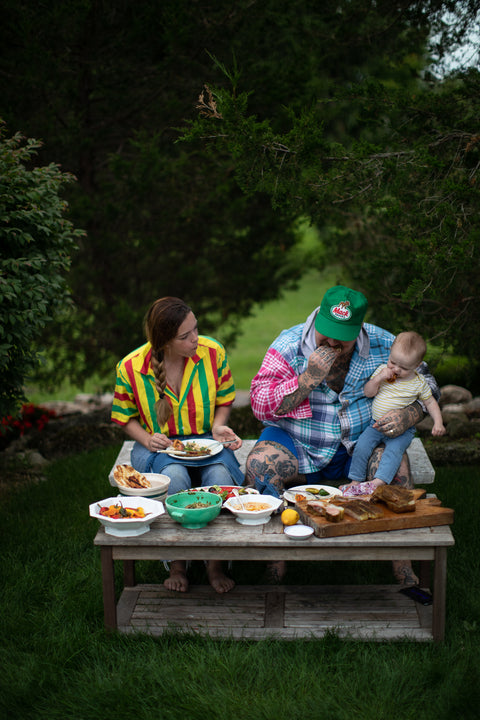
pixel 178 507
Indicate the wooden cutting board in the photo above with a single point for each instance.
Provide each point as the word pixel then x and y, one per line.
pixel 428 512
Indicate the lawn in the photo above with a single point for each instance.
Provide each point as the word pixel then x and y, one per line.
pixel 58 663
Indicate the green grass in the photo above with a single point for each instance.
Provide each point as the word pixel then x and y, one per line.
pixel 58 663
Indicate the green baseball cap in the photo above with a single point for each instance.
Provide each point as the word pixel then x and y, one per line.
pixel 341 313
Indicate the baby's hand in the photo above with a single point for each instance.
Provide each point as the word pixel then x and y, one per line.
pixel 438 429
pixel 388 375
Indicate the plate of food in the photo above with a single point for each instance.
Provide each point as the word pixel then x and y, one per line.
pixel 310 492
pixel 194 449
pixel 227 491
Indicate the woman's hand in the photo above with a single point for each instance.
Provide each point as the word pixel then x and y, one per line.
pixel 395 422
pixel 158 441
pixel 225 434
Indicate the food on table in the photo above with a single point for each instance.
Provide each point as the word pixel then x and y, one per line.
pixel 197 504
pixel 317 491
pixel 119 512
pixel 127 476
pixel 332 513
pixel 358 509
pixel 397 499
pixel 251 506
pixel 289 516
pixel 226 492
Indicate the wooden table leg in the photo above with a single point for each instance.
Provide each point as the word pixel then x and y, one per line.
pixel 108 586
pixel 439 594
pixel 425 574
pixel 128 573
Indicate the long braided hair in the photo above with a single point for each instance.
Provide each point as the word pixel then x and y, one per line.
pixel 161 325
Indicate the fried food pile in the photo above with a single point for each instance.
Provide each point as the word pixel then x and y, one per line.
pixel 127 476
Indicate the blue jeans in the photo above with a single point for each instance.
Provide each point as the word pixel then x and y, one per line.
pixel 391 456
pixel 180 474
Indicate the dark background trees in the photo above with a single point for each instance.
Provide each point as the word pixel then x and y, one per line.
pixel 109 87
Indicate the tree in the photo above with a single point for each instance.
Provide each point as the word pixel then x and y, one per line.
pixel 398 213
pixel 36 241
pixel 109 87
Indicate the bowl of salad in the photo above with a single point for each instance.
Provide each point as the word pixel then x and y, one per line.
pixel 124 516
pixel 193 508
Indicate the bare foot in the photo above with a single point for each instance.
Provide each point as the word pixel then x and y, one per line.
pixel 220 582
pixel 177 580
pixel 275 572
pixel 403 572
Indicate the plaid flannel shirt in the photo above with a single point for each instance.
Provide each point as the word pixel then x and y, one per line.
pixel 325 418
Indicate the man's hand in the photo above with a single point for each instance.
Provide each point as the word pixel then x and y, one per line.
pixel 395 422
pixel 320 362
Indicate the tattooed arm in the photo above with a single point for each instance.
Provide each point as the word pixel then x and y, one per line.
pixel 319 365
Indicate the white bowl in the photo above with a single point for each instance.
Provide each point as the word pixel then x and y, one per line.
pixel 127 527
pixel 158 490
pixel 252 517
pixel 298 532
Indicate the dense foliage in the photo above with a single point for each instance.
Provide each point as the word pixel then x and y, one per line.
pixel 397 202
pixel 36 241
pixel 109 87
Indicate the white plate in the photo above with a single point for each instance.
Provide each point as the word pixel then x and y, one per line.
pixel 302 489
pixel 298 532
pixel 214 445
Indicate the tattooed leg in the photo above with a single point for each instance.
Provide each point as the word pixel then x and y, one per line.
pixel 402 569
pixel 270 466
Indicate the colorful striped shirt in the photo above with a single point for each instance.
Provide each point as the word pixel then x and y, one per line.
pixel 325 418
pixel 400 394
pixel 206 384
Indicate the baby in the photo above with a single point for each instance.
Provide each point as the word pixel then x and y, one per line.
pixel 392 386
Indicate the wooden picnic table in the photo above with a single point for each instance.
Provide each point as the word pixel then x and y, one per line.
pixel 362 611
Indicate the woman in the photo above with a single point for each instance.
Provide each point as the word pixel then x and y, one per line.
pixel 178 385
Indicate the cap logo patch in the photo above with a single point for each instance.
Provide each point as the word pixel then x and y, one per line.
pixel 341 311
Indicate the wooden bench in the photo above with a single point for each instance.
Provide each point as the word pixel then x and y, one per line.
pixel 422 469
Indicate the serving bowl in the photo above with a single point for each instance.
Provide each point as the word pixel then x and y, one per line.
pixel 243 508
pixel 158 489
pixel 127 527
pixel 180 508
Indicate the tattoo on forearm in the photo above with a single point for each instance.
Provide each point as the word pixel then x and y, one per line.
pixel 335 379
